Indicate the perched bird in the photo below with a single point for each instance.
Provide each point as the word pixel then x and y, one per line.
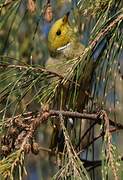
pixel 64 45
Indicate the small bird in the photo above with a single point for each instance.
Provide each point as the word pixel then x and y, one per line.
pixel 64 45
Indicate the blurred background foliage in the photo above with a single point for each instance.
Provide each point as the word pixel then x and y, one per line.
pixel 24 26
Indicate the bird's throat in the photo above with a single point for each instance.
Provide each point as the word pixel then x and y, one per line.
pixel 64 47
pixel 59 53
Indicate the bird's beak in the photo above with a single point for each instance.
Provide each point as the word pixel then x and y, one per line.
pixel 65 18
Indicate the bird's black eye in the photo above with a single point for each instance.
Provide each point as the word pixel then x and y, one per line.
pixel 58 32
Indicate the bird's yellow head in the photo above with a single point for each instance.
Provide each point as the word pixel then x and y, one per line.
pixel 60 34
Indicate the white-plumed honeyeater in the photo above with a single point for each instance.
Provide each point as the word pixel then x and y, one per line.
pixel 64 45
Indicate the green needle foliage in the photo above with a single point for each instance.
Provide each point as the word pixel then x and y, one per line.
pixel 26 86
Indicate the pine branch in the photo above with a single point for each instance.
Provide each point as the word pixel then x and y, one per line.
pixel 37 70
pixel 93 117
pixel 24 126
pixel 105 30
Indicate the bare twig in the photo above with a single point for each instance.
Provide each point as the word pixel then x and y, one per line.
pixel 112 130
pixel 92 117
